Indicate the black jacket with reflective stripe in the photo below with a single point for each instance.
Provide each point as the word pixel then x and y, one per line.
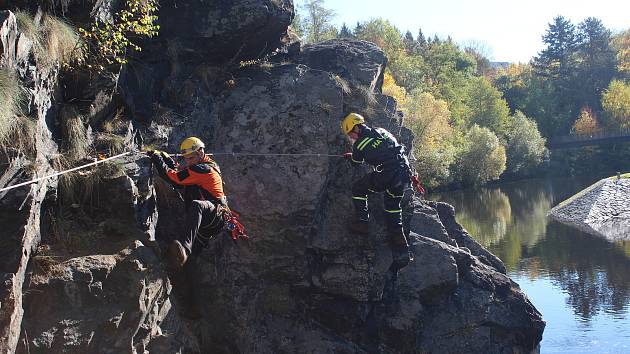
pixel 378 147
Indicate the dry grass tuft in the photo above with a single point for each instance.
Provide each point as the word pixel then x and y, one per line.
pixel 62 41
pixel 111 144
pixel 75 137
pixel 54 40
pixel 343 84
pixel 11 99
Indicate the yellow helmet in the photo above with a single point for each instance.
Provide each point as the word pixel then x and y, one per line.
pixel 190 145
pixel 350 121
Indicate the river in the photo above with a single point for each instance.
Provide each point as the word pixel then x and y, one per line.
pixel 580 283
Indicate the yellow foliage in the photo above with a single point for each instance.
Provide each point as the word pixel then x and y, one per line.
pixel 390 88
pixel 623 56
pixel 586 123
pixel 428 118
pixel 112 39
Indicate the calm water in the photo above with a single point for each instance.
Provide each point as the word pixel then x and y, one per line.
pixel 580 283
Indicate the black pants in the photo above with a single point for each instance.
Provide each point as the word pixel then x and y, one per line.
pixel 202 220
pixel 393 184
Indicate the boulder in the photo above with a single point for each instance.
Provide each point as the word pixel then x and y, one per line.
pixel 222 32
pixel 360 63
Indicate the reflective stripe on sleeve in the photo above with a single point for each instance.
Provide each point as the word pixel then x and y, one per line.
pixel 364 143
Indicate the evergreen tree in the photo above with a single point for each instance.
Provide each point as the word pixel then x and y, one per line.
pixel 357 29
pixel 597 61
pixel 557 59
pixel 421 41
pixel 344 32
pixel 556 65
pixel 410 43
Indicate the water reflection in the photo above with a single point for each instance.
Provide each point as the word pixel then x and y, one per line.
pixel 511 222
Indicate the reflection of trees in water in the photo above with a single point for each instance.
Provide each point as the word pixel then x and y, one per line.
pixel 485 213
pixel 517 210
pixel 593 272
pixel 511 221
pixel 530 203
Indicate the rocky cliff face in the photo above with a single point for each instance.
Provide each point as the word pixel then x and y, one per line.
pixel 302 283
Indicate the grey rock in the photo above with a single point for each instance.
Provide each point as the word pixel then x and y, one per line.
pixel 360 63
pixel 220 32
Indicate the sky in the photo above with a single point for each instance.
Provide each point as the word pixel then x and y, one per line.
pixel 507 31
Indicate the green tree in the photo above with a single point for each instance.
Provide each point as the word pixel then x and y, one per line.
pixel 597 61
pixel 525 146
pixel 616 104
pixel 298 25
pixel 410 43
pixel 485 106
pixel 557 60
pixel 481 157
pixel 555 82
pixel 344 32
pixel 318 21
pixel 421 42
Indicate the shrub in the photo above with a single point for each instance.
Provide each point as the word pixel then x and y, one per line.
pixel 109 41
pixel 481 158
pixel 526 147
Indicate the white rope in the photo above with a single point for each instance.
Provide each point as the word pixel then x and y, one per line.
pixel 129 152
pixel 64 172
pixel 262 154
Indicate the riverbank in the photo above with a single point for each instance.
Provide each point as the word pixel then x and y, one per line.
pixel 603 209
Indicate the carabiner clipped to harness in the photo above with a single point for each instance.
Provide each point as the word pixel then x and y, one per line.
pixel 417 185
pixel 237 230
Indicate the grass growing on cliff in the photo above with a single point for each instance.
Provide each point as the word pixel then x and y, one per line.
pixel 112 144
pixel 75 137
pixel 11 99
pixel 54 40
pixel 62 41
pixel 343 84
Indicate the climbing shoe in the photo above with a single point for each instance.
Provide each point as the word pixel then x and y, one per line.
pixel 359 227
pixel 177 255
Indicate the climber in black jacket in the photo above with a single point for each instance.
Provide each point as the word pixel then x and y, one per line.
pixel 391 176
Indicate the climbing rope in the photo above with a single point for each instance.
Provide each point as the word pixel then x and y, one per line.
pixel 263 154
pixel 65 171
pixel 177 155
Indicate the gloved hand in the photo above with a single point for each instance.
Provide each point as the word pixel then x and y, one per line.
pixel 347 155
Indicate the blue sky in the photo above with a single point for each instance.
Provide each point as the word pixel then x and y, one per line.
pixel 507 30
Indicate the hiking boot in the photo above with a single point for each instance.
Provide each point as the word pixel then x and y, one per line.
pixel 177 255
pixel 400 249
pixel 359 227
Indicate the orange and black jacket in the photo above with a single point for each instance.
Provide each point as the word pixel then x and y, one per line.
pixel 200 182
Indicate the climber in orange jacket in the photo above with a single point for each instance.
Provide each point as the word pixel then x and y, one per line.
pixel 203 196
